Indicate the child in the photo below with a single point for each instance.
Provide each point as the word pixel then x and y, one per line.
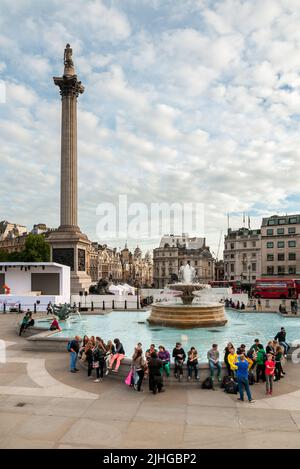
pixel 269 372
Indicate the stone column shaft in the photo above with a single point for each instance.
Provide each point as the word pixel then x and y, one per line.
pixel 68 189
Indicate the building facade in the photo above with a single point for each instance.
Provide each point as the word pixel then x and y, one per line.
pixel 169 257
pixel 107 264
pixel 280 245
pixel 242 256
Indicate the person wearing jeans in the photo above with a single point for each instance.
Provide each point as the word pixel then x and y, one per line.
pixel 213 357
pixel 242 377
pixel 74 349
pixel 281 337
pixel 118 356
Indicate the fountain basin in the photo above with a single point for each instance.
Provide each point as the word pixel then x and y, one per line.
pixel 187 316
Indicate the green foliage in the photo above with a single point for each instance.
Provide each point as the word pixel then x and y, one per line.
pixel 36 250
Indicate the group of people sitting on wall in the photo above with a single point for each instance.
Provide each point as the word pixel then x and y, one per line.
pixel 244 366
pixel 98 355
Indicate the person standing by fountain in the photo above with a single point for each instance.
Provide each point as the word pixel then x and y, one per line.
pixel 213 356
pixel 242 377
pixel 192 363
pixel 73 348
pixel 155 377
pixel 179 357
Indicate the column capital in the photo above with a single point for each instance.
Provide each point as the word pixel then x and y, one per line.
pixel 69 85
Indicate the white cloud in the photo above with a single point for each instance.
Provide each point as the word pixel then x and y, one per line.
pixel 198 102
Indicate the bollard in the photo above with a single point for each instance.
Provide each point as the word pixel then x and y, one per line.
pixel 4 308
pixel 34 308
pixel 19 307
pixel 92 306
pixel 125 304
pixel 113 304
pixel 103 305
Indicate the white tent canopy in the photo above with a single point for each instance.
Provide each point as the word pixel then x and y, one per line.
pixel 121 289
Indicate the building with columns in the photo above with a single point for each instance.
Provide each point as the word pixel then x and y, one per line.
pixel 169 257
pixel 108 264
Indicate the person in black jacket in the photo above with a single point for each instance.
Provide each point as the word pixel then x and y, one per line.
pixel 179 357
pixel 155 377
pixel 118 356
pixel 281 337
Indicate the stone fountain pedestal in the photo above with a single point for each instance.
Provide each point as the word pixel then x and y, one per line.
pixel 187 315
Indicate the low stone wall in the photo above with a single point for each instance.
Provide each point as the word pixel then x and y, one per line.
pixel 203 373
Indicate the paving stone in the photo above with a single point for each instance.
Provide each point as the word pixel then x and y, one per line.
pixel 44 428
pixel 95 433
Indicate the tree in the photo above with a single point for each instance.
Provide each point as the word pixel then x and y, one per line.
pixel 36 249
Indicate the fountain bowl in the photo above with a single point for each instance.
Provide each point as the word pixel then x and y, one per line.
pixel 187 315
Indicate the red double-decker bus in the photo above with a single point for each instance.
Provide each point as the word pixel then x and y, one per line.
pixel 276 288
pixel 235 285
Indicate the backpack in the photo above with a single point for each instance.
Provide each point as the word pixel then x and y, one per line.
pixel 231 388
pixel 225 381
pixel 69 346
pixel 207 384
pixel 251 378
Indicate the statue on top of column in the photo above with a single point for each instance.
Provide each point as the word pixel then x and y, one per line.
pixel 68 61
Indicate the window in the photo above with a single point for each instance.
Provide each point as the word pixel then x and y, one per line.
pixel 292 230
pixel 270 257
pixel 270 244
pixel 280 231
pixel 253 244
pixel 253 266
pixel 253 254
pixel 282 221
pixel 292 269
pixel 245 244
pixel 292 256
pixel 226 256
pixel 280 244
pixel 281 269
pixel 231 256
pixel 196 262
pixel 272 222
pixel 253 277
pixel 270 270
pixel 232 277
pixel 280 256
pixel 270 231
pixel 231 267
pixel 293 220
pixel 292 244
pixel 231 245
pixel 226 267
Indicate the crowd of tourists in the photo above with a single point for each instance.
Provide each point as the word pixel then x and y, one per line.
pixel 245 366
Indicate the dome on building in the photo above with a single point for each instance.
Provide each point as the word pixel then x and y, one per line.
pixel 137 252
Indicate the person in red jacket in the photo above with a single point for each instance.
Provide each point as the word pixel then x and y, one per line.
pixel 269 372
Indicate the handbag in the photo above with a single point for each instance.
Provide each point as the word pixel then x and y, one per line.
pixel 95 364
pixel 128 378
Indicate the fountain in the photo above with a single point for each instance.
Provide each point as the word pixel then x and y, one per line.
pixel 188 314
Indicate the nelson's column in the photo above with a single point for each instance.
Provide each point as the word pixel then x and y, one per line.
pixel 68 245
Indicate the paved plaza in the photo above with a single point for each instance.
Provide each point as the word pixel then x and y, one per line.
pixel 42 405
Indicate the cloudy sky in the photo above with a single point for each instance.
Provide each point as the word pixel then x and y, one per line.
pixel 185 101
